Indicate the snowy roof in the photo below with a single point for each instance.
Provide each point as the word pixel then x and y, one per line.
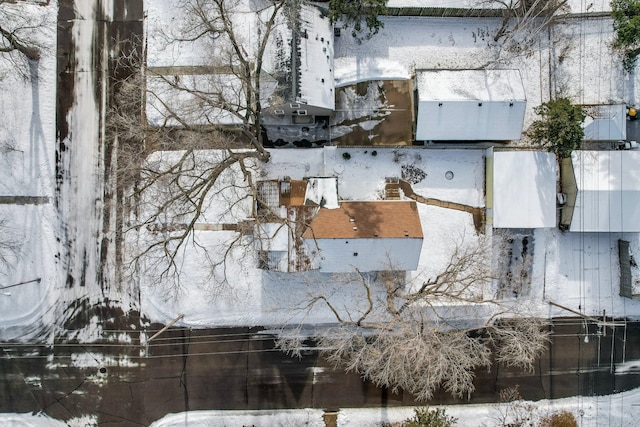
pixel 469 85
pixel 390 219
pixel 605 122
pixel 322 192
pixel 301 58
pixel 608 197
pixel 524 189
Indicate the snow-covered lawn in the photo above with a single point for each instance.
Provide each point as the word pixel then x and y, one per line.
pixel 622 410
pixel 27 169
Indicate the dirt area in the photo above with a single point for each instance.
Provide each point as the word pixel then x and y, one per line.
pixel 374 113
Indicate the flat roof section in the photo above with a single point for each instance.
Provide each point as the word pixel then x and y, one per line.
pixel 524 189
pixel 608 197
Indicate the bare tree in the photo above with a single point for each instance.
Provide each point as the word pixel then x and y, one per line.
pixel 525 17
pixel 173 186
pixel 421 336
pixel 21 33
pixel 10 245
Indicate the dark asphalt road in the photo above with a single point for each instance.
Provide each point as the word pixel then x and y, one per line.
pixel 240 369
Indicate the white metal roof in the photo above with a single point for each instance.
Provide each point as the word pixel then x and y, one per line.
pixel 524 189
pixel 469 85
pixel 605 122
pixel 608 197
pixel 316 59
pixel 309 67
pixel 470 105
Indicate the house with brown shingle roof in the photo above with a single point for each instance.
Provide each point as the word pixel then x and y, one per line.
pixel 368 236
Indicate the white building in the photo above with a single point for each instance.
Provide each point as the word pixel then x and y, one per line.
pixel 469 105
pixel 368 236
pixel 606 195
pixel 521 189
pixel 296 81
pixel 299 60
pixel 605 122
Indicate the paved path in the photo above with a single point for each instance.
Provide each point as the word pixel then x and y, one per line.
pixel 478 213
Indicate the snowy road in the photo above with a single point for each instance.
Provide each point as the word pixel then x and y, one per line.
pixel 240 369
pixel 89 37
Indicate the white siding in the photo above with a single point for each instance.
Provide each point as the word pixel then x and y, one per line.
pixel 470 105
pixel 376 254
pixel 468 121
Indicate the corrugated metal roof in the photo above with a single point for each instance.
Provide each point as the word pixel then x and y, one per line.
pixel 608 197
pixel 385 219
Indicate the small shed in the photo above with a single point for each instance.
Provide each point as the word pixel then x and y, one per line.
pixel 605 122
pixel 368 236
pixel 521 189
pixel 607 198
pixel 469 105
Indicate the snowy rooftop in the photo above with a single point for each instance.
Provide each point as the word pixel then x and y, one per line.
pixel 322 192
pixel 469 85
pixel 524 189
pixel 316 85
pixel 608 191
pixel 605 122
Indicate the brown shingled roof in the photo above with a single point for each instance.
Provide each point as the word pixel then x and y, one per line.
pixel 366 220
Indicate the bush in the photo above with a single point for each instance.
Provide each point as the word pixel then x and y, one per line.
pixel 358 12
pixel 626 23
pixel 559 128
pixel 430 418
pixel 559 419
pixel 374 153
pixel 346 156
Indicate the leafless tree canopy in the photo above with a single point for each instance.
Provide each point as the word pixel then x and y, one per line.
pixel 10 245
pixel 525 17
pixel 21 34
pixel 419 337
pixel 188 109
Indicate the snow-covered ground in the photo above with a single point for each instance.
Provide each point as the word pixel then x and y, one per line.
pixel 622 410
pixel 579 270
pixel 27 168
pixel 258 297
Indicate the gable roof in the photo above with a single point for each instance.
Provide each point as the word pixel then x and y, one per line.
pixel 357 220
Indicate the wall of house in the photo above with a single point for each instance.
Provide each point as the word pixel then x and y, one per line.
pixel 376 254
pixel 470 120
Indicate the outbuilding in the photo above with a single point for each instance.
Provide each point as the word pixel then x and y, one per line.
pixel 605 122
pixel 469 105
pixel 603 191
pixel 521 189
